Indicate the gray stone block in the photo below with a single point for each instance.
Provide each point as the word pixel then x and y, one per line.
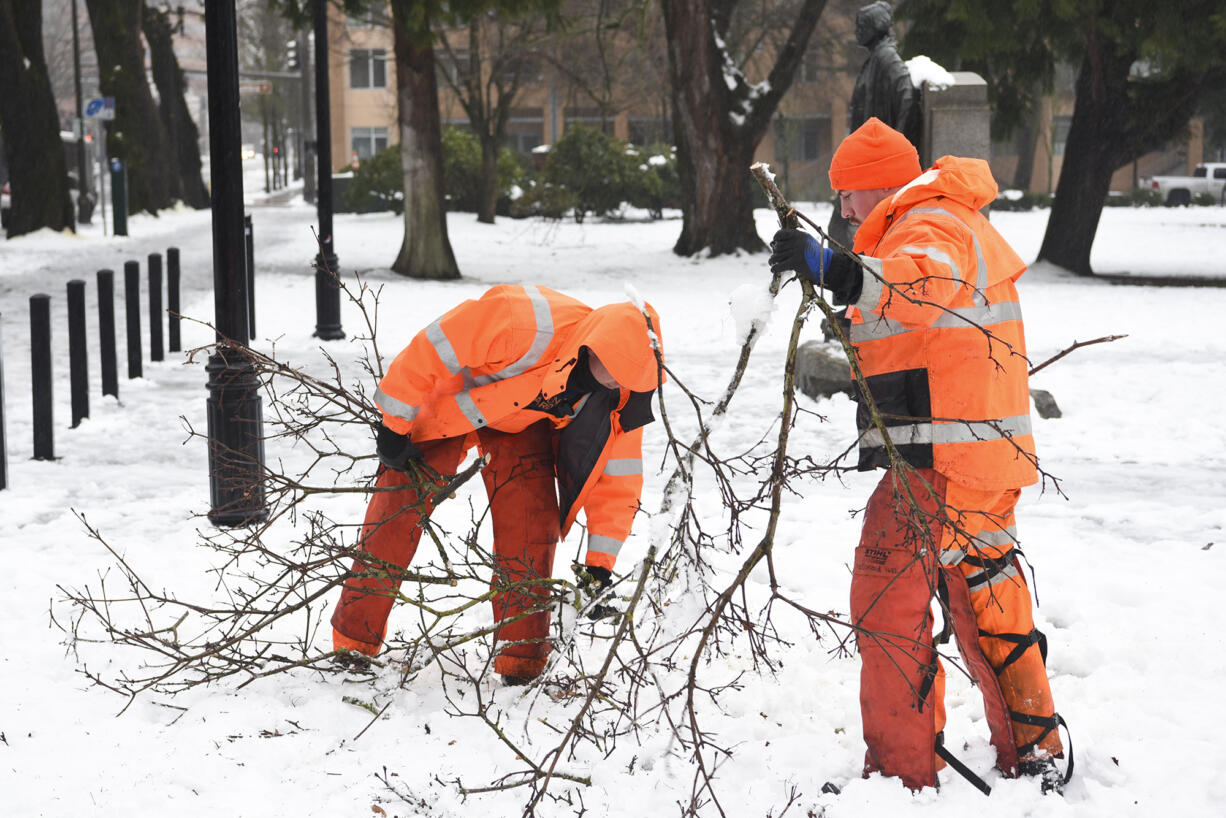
pixel 822 370
pixel 957 119
pixel 1045 404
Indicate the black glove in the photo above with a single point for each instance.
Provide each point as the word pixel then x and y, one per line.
pixel 593 579
pixel 797 251
pixel 395 450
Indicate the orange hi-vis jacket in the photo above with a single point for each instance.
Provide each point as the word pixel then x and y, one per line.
pixel 482 363
pixel 938 332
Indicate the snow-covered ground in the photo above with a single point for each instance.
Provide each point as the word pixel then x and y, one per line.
pixel 1129 561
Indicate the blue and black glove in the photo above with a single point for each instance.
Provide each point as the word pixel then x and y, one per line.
pixel 797 251
pixel 395 450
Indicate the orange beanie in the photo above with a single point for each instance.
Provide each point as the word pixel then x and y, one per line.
pixel 874 156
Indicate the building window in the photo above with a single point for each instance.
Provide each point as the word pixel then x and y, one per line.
pixel 452 66
pixel 650 130
pixel 371 18
pixel 802 138
pixel 366 142
pixel 525 129
pixel 1059 133
pixel 527 70
pixel 367 68
pixel 808 66
pixel 589 118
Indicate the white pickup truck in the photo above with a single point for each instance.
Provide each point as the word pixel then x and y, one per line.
pixel 1209 177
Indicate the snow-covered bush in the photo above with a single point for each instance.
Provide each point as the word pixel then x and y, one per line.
pixel 594 167
pixel 654 183
pixel 462 172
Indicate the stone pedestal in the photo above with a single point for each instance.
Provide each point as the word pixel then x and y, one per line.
pixel 956 119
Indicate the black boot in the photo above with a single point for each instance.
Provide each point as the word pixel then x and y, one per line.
pixel 1045 769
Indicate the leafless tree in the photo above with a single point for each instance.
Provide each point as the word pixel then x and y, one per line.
pixel 636 660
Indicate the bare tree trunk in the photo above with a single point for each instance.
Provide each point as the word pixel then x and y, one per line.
pixel 426 251
pixel 181 131
pixel 488 88
pixel 1115 121
pixel 1025 139
pixel 718 127
pixel 135 135
pixel 487 201
pixel 33 150
pixel 266 150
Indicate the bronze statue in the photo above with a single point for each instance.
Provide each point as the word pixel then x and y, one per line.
pixel 883 89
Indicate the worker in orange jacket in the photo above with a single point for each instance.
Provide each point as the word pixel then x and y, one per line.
pixel 555 395
pixel 937 330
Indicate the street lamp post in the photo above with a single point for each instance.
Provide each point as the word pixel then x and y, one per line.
pixel 235 427
pixel 85 207
pixel 327 290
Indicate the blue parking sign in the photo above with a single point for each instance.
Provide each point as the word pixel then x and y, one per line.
pixel 100 108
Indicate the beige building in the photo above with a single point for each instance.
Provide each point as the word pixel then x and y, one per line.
pixel 810 121
pixel 363 100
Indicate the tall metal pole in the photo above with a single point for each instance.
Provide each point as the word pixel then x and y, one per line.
pixel 84 210
pixel 327 291
pixel 235 426
pixel 304 115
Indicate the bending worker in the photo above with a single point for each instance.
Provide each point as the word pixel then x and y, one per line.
pixel 555 394
pixel 937 330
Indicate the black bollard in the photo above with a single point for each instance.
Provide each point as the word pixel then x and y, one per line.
pixel 4 451
pixel 40 376
pixel 119 197
pixel 131 297
pixel 249 234
pixel 155 308
pixel 172 298
pixel 78 361
pixel 106 332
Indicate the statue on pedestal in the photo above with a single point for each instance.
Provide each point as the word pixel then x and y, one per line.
pixel 883 89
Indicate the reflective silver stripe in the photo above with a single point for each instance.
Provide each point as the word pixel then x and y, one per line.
pixel 976 578
pixel 395 407
pixel 952 556
pixel 624 466
pixel 873 286
pixel 544 335
pixel 981 263
pixel 968 431
pixel 876 328
pixel 982 316
pixel 997 537
pixel 868 300
pixel 578 406
pixel 470 410
pixel 442 347
pixel 605 545
pixel 939 256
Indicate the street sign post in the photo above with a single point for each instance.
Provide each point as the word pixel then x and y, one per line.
pixel 254 87
pixel 100 108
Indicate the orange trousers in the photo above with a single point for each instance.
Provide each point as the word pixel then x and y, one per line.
pixel 520 483
pixel 922 532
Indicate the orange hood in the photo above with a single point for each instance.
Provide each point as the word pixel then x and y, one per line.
pixel 618 334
